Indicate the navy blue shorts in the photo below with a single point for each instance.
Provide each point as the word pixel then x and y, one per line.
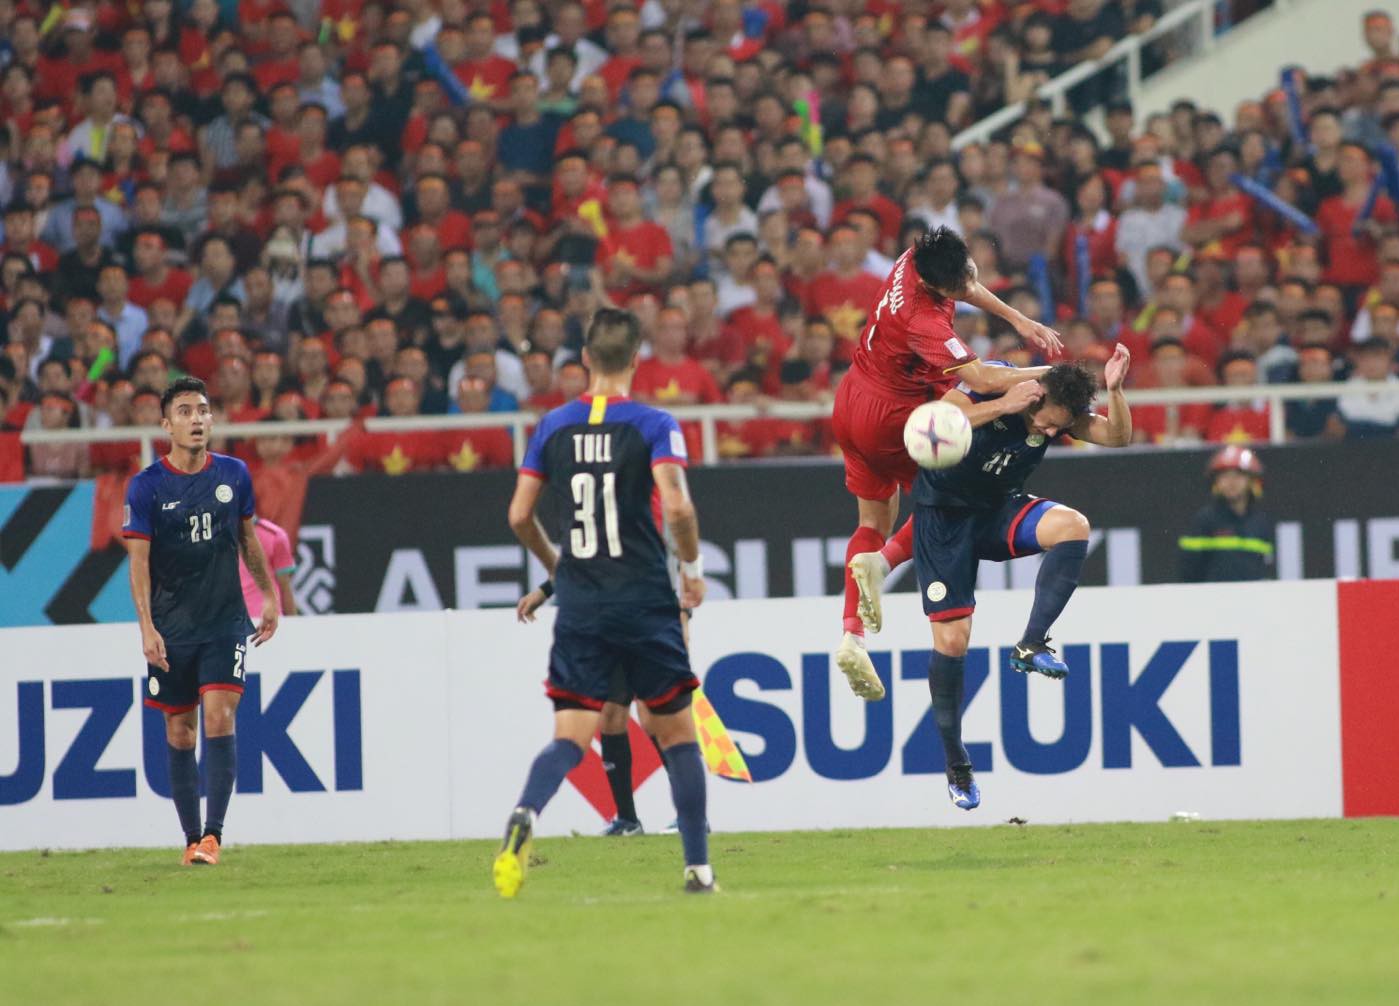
pixel 596 649
pixel 948 542
pixel 195 668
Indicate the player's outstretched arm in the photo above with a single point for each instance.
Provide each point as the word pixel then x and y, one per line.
pixel 1030 330
pixel 256 561
pixel 152 643
pixel 985 379
pixel 681 519
pixel 1114 430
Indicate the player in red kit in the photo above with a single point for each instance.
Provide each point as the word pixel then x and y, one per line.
pixel 908 354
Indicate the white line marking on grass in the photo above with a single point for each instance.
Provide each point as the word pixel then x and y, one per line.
pixel 54 921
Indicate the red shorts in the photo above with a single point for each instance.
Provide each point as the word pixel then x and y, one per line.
pixel 869 427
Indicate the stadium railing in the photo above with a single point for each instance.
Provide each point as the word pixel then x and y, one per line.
pixel 1193 18
pixel 707 416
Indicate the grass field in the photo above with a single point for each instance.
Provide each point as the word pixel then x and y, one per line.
pixel 1273 913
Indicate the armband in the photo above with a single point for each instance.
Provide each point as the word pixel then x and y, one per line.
pixel 547 589
pixel 693 570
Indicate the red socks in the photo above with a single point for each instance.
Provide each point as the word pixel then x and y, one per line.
pixel 865 539
pixel 899 549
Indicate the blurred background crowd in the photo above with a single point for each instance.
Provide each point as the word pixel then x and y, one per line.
pixel 352 208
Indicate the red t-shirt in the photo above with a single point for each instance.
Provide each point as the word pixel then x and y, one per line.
pixel 642 244
pixel 427 285
pixel 616 71
pixel 761 438
pixel 1204 342
pixel 846 302
pixel 908 347
pixel 454 230
pixel 41 256
pixel 1238 423
pixel 1352 260
pixel 472 450
pixel 486 79
pixel 273 72
pixel 747 331
pixel 1153 420
pixel 1219 207
pixel 683 383
pixel 174 288
pixel 1225 316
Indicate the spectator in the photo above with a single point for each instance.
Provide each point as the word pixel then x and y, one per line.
pixel 1231 539
pixel 476 448
pixel 1315 417
pixel 1149 223
pixel 1031 219
pixel 126 319
pixel 1169 424
pixel 1238 421
pixel 1376 413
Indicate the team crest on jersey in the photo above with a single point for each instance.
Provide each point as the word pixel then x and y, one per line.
pixel 224 493
pixel 154 686
pixel 937 590
pixel 1035 439
pixel 677 444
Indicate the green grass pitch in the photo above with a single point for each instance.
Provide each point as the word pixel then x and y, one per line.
pixel 1188 913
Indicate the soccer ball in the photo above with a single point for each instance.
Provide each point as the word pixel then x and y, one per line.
pixel 937 435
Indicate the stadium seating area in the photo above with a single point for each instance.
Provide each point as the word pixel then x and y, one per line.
pixel 356 208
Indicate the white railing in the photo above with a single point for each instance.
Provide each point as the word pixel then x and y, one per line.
pixel 708 417
pixel 1199 14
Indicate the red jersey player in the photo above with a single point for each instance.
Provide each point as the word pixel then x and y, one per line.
pixel 908 355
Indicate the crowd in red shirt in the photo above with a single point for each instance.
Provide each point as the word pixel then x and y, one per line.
pixel 399 209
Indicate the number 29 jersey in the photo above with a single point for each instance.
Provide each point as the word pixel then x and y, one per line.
pixel 191 521
pixel 595 455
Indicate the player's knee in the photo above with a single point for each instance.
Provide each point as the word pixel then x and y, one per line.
pixel 952 638
pixel 674 728
pixel 180 734
pixel 1070 525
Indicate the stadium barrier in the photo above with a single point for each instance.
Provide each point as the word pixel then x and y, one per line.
pixel 427 541
pixel 1271 396
pixel 1238 701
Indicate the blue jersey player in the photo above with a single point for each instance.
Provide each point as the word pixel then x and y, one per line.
pixel 600 459
pixel 978 510
pixel 188 518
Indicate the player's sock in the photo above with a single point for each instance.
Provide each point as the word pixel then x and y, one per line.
pixel 616 762
pixel 547 773
pixel 1058 576
pixel 665 764
pixel 899 548
pixel 945 684
pixel 865 539
pixel 221 756
pixel 687 789
pixel 184 788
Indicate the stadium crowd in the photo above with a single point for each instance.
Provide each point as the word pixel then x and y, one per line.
pixel 357 208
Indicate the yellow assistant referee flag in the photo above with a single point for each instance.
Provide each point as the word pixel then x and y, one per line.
pixel 721 754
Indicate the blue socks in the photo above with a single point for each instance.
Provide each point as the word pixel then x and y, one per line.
pixel 1055 584
pixel 184 788
pixel 221 764
pixel 945 684
pixel 547 773
pixel 687 788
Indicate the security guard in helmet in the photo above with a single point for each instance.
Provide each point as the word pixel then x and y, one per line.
pixel 1231 539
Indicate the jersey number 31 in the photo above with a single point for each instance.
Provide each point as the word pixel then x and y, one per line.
pixel 583 539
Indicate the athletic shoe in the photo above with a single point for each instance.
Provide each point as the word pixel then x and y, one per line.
pixel 188 859
pixel 620 826
pixel 1038 658
pixel 962 788
pixel 858 669
pixel 512 861
pixel 868 570
pixel 206 853
pixel 694 885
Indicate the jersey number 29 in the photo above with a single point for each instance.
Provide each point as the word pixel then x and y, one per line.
pixel 201 526
pixel 583 539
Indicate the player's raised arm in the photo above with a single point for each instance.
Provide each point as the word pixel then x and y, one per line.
pixel 988 379
pixel 1114 430
pixel 681 519
pixel 1030 330
pixel 256 561
pixel 1019 398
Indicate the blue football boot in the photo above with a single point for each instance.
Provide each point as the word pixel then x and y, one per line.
pixel 962 788
pixel 1038 658
pixel 620 827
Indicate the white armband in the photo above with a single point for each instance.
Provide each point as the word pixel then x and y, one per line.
pixel 693 570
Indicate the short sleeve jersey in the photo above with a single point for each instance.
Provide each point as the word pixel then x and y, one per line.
pixel 1004 453
pixel 596 456
pixel 908 349
pixel 191 521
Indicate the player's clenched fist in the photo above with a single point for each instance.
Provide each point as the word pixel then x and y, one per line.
pixel 1021 396
pixel 691 592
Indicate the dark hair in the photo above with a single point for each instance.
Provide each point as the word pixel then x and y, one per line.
pixel 942 260
pixel 182 386
pixel 612 340
pixel 1070 385
pixel 1231 356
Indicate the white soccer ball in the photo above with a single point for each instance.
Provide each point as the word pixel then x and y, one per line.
pixel 937 435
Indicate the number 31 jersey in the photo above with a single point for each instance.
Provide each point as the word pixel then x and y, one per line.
pixel 596 456
pixel 191 521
